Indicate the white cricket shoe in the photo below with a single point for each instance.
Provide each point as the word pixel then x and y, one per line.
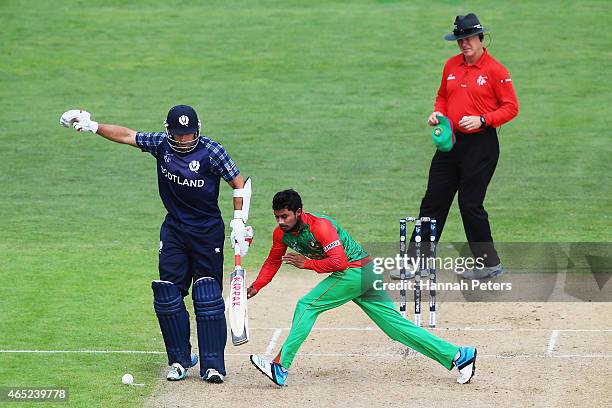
pixel 176 373
pixel 213 376
pixel 274 371
pixel 484 272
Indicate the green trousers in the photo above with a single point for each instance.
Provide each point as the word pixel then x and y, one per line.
pixel 355 284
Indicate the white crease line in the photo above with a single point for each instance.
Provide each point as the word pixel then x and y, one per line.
pixel 272 343
pixel 83 351
pixel 398 356
pixel 416 355
pixel 478 329
pixel 552 342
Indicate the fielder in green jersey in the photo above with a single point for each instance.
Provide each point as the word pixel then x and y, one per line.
pixel 325 247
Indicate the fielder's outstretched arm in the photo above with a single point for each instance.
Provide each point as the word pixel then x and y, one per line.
pixel 271 265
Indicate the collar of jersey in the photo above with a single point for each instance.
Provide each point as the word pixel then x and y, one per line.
pixel 305 218
pixel 478 63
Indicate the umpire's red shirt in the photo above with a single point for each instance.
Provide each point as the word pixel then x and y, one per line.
pixel 484 88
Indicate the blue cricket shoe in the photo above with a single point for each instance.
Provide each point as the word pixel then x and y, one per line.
pixel 274 371
pixel 466 364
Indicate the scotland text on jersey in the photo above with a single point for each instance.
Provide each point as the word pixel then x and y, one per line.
pixel 179 180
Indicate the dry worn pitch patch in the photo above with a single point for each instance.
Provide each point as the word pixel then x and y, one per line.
pixel 529 354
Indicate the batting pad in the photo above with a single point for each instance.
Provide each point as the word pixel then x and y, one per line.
pixel 212 329
pixel 173 322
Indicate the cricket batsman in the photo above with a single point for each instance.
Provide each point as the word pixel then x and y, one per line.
pixel 325 247
pixel 189 169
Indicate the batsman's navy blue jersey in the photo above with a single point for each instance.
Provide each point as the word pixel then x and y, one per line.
pixel 189 182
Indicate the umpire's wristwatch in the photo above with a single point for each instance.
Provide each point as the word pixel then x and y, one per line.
pixel 483 122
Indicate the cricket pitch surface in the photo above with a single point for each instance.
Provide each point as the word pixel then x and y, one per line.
pixel 529 354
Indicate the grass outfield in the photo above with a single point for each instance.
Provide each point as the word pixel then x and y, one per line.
pixel 330 98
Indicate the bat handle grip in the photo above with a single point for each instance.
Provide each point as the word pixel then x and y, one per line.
pixel 236 254
pixel 237 251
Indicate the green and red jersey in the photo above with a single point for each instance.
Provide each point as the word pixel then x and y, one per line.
pixel 327 245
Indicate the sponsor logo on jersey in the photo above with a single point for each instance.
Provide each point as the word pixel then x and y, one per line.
pixel 331 245
pixel 314 245
pixel 167 157
pixel 180 180
pixel 481 80
pixel 450 77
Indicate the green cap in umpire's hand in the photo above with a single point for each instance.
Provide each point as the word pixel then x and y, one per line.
pixel 443 135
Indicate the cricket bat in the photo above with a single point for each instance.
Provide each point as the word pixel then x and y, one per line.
pixel 237 302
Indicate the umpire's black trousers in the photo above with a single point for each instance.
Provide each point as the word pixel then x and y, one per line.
pixel 466 169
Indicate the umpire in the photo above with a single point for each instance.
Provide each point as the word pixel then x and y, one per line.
pixel 477 95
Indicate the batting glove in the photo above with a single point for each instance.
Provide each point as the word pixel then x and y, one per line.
pixel 68 117
pixel 241 235
pixel 80 120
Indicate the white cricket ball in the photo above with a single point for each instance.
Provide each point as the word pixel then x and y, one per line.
pixel 127 379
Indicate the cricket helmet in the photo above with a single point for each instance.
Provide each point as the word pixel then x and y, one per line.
pixel 182 120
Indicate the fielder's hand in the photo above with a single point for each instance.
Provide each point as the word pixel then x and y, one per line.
pixel 241 235
pixel 296 260
pixel 80 120
pixel 251 291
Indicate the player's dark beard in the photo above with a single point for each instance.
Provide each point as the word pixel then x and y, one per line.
pixel 298 225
